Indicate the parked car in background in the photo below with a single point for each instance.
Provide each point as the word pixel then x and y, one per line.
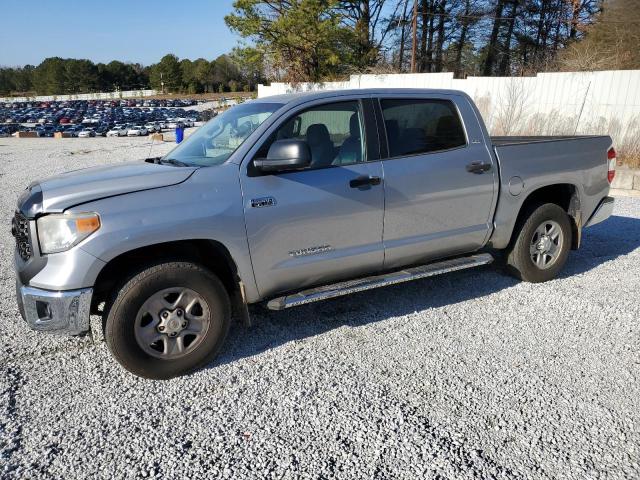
pixel 153 127
pixel 86 133
pixel 45 130
pixel 75 130
pixel 137 131
pixel 117 131
pixel 102 130
pixel 49 130
pixel 95 113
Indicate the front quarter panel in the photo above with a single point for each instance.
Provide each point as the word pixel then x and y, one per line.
pixel 207 206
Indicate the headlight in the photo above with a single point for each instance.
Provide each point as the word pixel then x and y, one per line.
pixel 60 232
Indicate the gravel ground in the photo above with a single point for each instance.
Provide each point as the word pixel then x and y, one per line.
pixel 470 375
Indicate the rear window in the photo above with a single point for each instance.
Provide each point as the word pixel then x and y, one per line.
pixel 421 126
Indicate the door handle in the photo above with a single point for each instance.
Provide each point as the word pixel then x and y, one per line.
pixel 478 167
pixel 364 181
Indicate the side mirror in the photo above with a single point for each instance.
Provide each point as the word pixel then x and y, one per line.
pixel 285 155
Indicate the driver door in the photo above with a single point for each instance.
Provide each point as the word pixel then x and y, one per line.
pixel 315 226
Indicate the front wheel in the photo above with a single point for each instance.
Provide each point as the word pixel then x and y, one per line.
pixel 542 245
pixel 168 320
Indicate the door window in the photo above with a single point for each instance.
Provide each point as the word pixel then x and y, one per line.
pixel 333 132
pixel 416 126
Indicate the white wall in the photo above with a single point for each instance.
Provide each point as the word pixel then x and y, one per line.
pixel 83 96
pixel 549 103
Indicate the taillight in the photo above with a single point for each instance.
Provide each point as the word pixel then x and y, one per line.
pixel 611 156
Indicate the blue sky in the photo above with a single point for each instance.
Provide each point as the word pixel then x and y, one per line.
pixel 104 30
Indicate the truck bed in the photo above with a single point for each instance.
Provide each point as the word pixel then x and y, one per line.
pixel 529 163
pixel 517 140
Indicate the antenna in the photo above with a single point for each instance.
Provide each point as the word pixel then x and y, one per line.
pixel 582 107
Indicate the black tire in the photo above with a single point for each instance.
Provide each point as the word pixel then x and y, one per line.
pixel 518 255
pixel 123 309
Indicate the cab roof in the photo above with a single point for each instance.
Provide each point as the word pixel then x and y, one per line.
pixel 301 97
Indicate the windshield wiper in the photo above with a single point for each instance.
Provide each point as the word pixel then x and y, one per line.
pixel 172 161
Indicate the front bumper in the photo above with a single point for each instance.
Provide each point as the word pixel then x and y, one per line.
pixel 63 313
pixel 602 212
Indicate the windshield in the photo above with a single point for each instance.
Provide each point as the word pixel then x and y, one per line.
pixel 214 142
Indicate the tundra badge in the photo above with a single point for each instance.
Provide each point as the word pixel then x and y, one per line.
pixel 311 251
pixel 263 202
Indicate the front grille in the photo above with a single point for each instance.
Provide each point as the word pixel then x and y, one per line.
pixel 20 230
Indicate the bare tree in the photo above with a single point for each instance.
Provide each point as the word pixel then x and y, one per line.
pixel 512 109
pixel 365 18
pixel 612 42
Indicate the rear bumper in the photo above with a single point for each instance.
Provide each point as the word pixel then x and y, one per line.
pixel 63 312
pixel 602 212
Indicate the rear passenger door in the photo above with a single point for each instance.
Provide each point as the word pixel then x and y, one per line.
pixel 439 179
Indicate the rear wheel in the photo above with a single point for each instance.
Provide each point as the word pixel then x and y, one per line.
pixel 542 244
pixel 168 320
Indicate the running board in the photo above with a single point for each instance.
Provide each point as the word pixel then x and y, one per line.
pixel 345 288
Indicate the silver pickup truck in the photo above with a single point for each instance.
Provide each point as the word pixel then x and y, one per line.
pixel 292 199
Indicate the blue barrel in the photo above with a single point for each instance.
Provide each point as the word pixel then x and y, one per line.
pixel 179 134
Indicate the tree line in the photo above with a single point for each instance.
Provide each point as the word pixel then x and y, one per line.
pixel 70 76
pixel 316 40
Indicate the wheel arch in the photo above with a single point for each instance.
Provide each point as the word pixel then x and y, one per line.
pixel 566 196
pixel 208 253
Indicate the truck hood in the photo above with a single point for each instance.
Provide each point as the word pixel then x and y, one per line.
pixel 56 194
